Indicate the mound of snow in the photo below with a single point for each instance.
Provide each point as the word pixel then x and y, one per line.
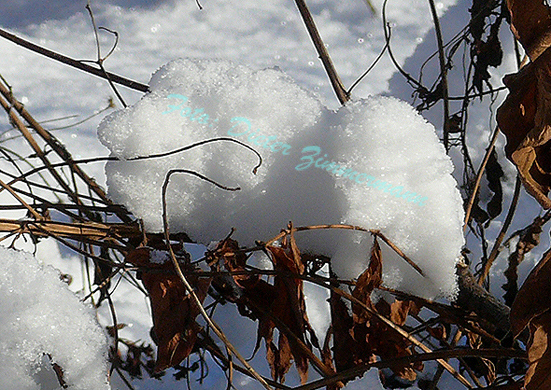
pixel 40 318
pixel 374 163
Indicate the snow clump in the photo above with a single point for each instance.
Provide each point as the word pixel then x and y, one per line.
pixel 42 323
pixel 373 163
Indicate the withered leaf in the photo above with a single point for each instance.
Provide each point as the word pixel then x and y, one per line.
pixel 280 305
pixel 525 115
pixel 370 279
pixel 533 297
pixel 363 337
pixel 174 327
pixel 288 314
pixel 528 240
pixel 538 376
pixel 345 348
pixel 530 22
pixel 494 173
pixel 388 343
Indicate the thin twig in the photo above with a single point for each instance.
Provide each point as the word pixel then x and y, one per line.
pixel 443 73
pixel 101 60
pixel 34 145
pixel 75 63
pixel 401 361
pixel 375 62
pixel 404 334
pixel 147 157
pixel 387 29
pixel 351 227
pixel 479 178
pixel 188 286
pixel 34 213
pixel 338 87
pixel 215 351
pixel 501 235
pixel 371 7
pixel 57 146
pixel 126 381
pixel 283 328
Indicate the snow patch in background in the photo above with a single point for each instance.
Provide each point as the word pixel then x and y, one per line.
pixel 393 151
pixel 41 316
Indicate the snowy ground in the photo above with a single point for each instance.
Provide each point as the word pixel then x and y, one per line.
pixel 257 34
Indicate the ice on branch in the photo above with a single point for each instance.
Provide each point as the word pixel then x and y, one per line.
pixel 374 163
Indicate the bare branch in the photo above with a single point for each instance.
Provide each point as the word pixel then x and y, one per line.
pixel 74 63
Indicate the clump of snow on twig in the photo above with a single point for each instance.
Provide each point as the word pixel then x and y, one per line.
pixel 374 163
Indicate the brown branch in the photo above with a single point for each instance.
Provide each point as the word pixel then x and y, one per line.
pixel 497 244
pixel 336 82
pixel 74 63
pixel 217 330
pixel 473 298
pixel 34 213
pixel 351 227
pixel 437 355
pixel 443 73
pixel 76 231
pixel 479 178
pixel 7 105
pixel 58 148
pixel 402 332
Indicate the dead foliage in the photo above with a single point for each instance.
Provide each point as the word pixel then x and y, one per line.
pixel 278 306
pixel 529 238
pixel 362 338
pixel 538 376
pixel 174 326
pixel 525 116
pixel 532 308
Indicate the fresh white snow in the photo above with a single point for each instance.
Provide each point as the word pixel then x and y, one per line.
pixel 42 320
pixel 374 163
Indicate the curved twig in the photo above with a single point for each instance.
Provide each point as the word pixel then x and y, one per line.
pixel 189 288
pixel 101 60
pixel 350 227
pixel 375 62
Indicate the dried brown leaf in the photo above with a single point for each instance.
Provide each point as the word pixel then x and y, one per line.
pixel 530 22
pixel 288 308
pixel 529 238
pixel 345 348
pixel 533 298
pixel 280 305
pixel 174 312
pixel 388 343
pixel 525 115
pixel 525 119
pixel 368 281
pixel 363 337
pixel 538 376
